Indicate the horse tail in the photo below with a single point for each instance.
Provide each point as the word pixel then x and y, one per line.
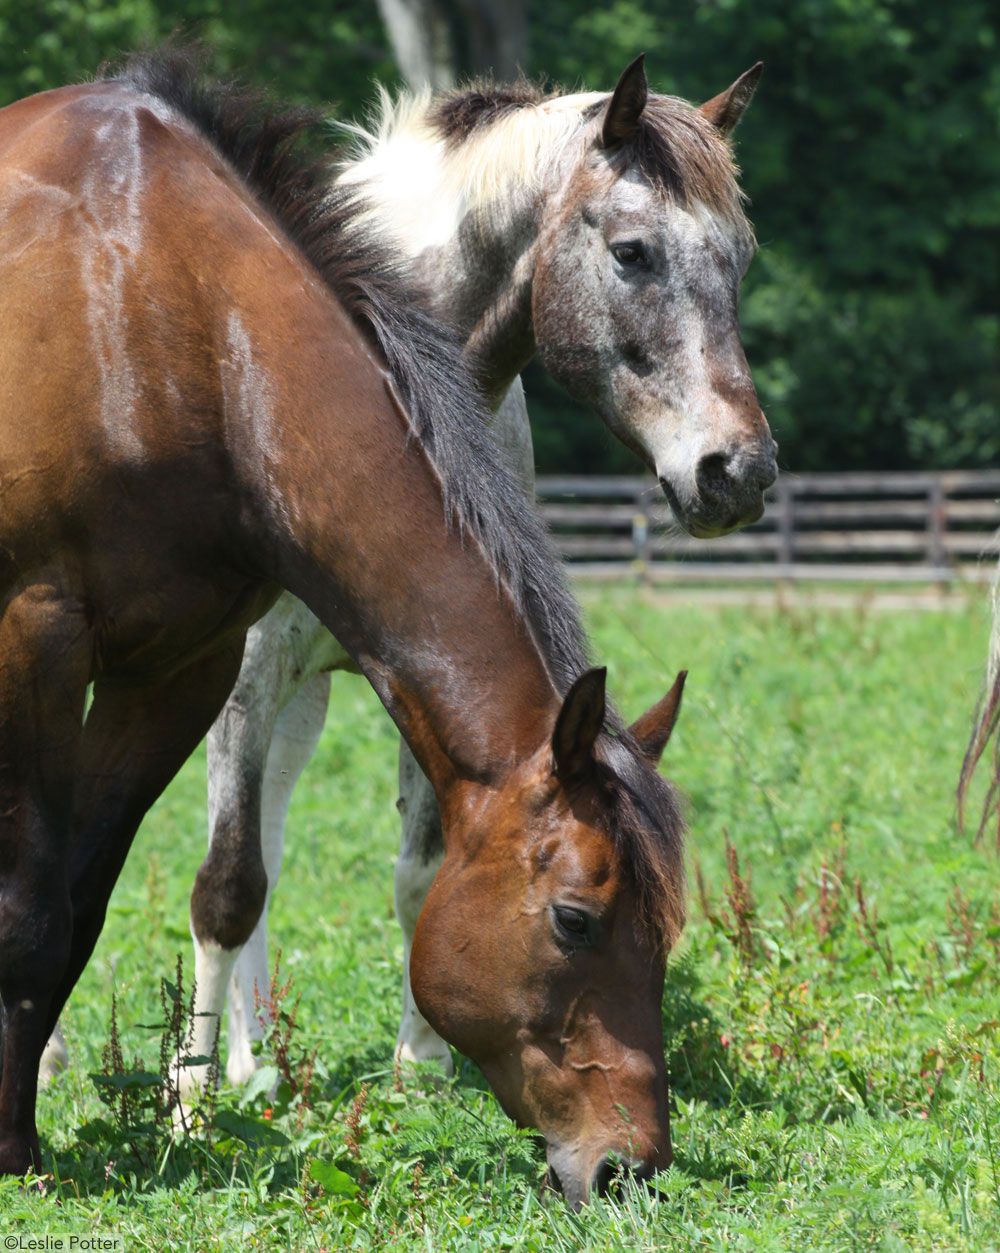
pixel 984 729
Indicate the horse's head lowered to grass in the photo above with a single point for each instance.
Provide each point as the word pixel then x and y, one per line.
pixel 240 372
pixel 540 950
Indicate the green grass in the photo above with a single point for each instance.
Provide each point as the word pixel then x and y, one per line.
pixel 831 1029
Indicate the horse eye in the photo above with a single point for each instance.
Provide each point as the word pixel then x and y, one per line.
pixel 571 923
pixel 631 255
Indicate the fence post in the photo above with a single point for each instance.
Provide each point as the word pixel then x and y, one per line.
pixel 640 537
pixel 786 522
pixel 937 524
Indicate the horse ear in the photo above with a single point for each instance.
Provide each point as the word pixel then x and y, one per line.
pixel 626 104
pixel 726 109
pixel 652 730
pixel 579 723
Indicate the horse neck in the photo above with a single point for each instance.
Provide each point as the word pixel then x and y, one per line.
pixel 354 526
pixel 484 290
pixel 477 263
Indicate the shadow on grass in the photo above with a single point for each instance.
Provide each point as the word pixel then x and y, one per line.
pixel 455 1126
pixel 104 1153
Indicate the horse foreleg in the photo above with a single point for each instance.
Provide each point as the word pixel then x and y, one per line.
pixel 280 693
pixel 296 734
pixel 134 741
pixel 232 882
pixel 44 655
pixel 420 857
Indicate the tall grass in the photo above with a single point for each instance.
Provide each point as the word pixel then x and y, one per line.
pixel 831 1014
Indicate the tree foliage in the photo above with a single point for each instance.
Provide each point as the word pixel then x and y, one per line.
pixel 306 50
pixel 871 158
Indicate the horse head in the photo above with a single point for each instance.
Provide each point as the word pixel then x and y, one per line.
pixel 540 951
pixel 634 301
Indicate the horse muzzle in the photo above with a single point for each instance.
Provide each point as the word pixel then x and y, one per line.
pixel 725 490
pixel 578 1179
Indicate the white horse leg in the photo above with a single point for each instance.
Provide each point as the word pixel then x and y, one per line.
pixel 213 967
pixel 296 734
pixel 55 1057
pixel 283 651
pixel 231 885
pixel 419 858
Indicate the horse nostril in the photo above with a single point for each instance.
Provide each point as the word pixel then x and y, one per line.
pixel 634 356
pixel 713 475
pixel 608 1173
pixel 735 476
pixel 612 1170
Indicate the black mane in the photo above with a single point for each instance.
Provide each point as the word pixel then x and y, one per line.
pixel 456 114
pixel 271 148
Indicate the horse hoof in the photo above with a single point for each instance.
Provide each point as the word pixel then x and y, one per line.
pixel 408 1056
pixel 240 1068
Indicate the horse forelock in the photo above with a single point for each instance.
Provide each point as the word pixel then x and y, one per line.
pixel 647 828
pixel 269 149
pixel 476 150
pixel 456 115
pixel 687 160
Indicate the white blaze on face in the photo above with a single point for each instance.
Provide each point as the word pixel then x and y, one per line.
pixel 683 408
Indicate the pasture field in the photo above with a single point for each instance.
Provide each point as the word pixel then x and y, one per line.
pixel 831 1015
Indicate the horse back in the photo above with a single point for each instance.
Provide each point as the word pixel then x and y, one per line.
pixel 125 246
pixel 188 404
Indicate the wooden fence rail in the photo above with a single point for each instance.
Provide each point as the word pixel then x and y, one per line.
pixel 897 527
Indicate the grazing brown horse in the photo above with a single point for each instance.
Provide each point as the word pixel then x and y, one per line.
pixel 214 386
pixel 605 230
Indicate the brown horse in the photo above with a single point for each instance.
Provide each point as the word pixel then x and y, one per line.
pixel 209 379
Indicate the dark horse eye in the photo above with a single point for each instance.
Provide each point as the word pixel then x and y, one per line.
pixel 631 255
pixel 571 923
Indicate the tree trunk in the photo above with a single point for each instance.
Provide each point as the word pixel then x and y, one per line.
pixel 435 41
pixel 420 34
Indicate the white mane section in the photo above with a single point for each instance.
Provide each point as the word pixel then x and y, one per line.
pixel 421 187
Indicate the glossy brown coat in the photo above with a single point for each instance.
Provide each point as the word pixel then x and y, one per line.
pixel 191 419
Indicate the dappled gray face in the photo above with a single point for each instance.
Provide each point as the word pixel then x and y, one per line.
pixel 635 312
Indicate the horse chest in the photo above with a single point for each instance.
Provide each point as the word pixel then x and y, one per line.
pixel 146 639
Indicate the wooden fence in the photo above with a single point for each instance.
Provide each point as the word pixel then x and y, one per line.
pixel 919 527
